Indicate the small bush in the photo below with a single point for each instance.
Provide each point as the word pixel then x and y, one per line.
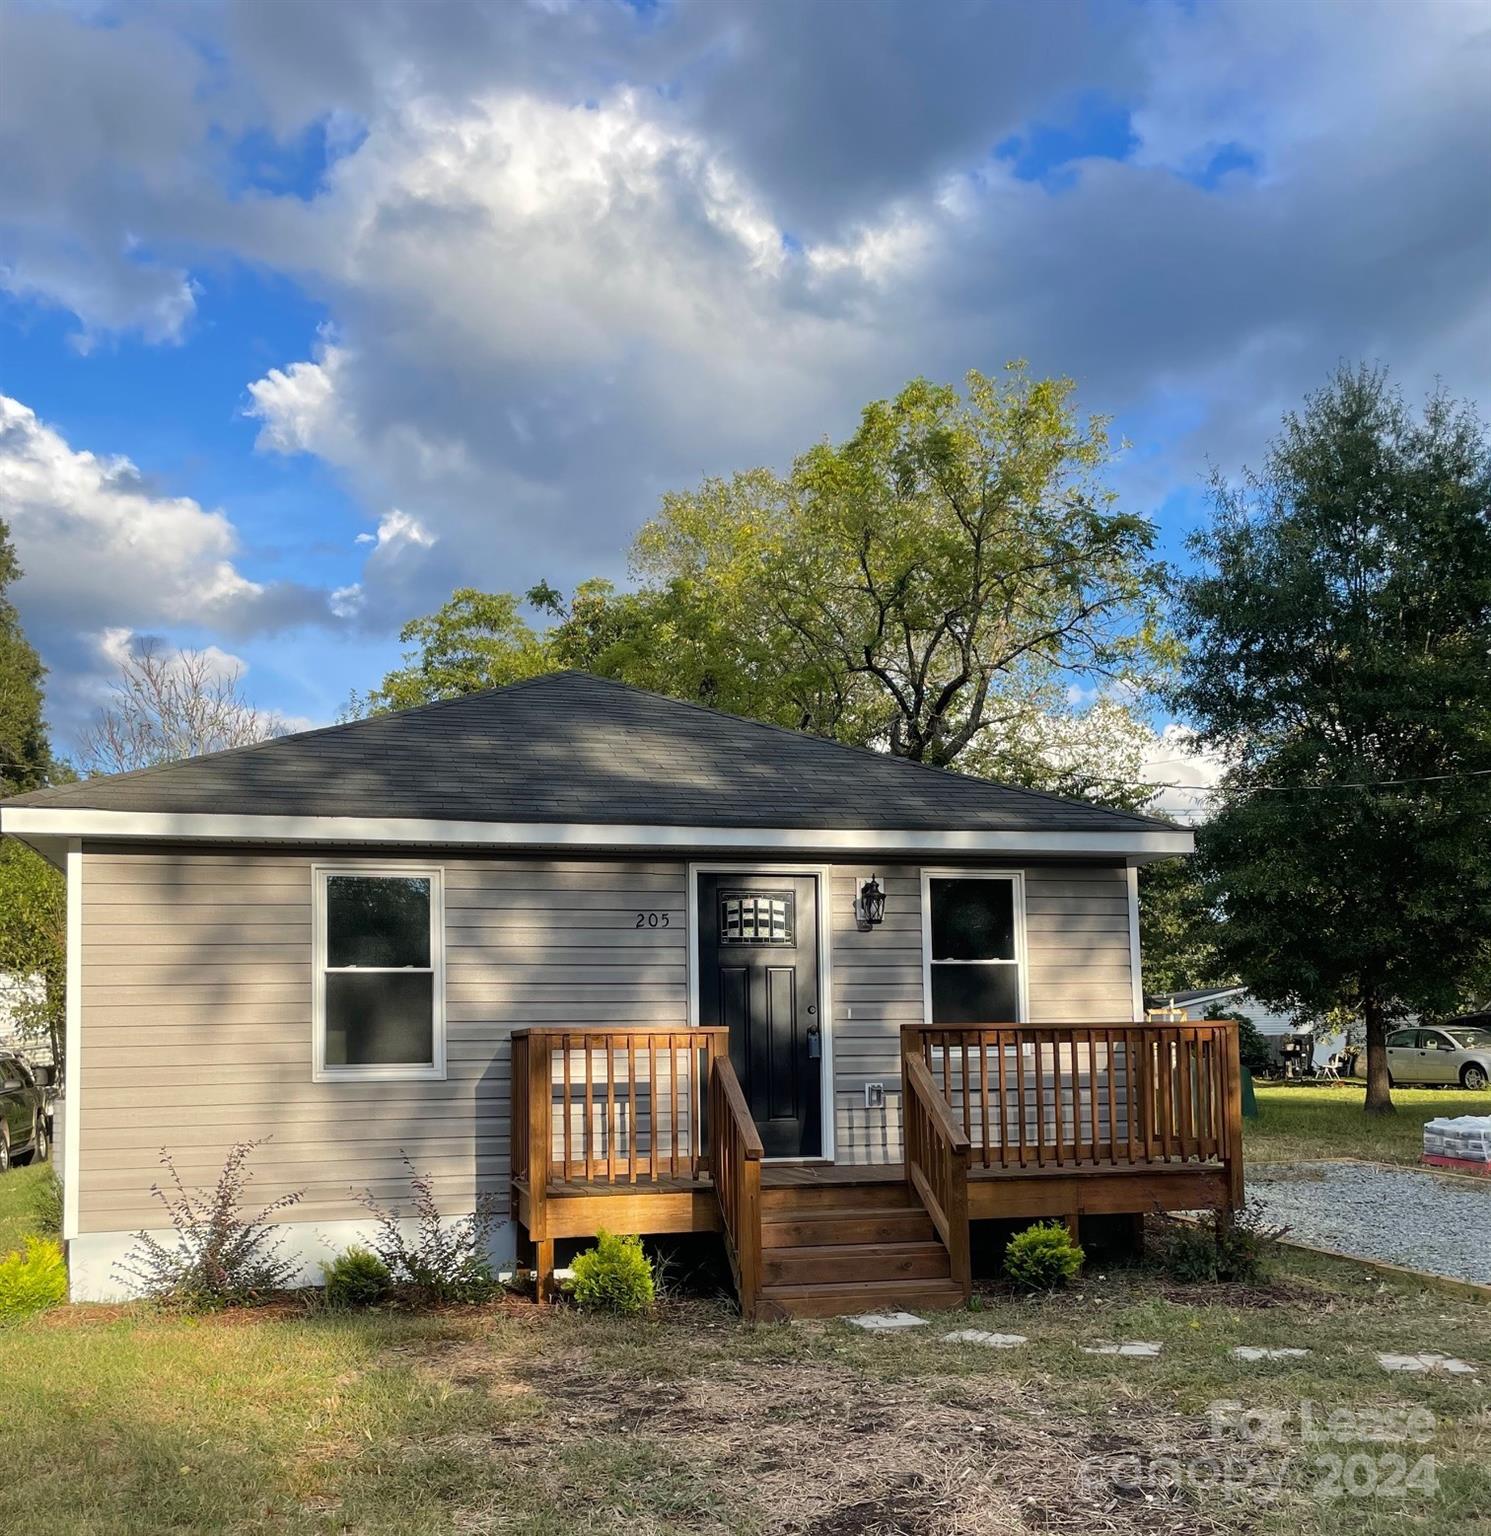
pixel 614 1276
pixel 49 1204
pixel 356 1278
pixel 1043 1257
pixel 1238 1251
pixel 33 1279
pixel 220 1257
pixel 446 1260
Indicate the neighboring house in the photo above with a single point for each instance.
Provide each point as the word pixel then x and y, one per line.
pixel 19 997
pixel 1275 1027
pixel 621 961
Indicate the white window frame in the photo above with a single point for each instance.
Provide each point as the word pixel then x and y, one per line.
pixel 1021 960
pixel 390 1072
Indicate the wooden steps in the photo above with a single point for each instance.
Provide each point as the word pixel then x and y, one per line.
pixel 833 1249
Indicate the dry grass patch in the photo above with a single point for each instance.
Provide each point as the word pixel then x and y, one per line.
pixel 802 1444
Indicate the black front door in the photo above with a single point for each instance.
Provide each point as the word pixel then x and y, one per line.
pixel 758 975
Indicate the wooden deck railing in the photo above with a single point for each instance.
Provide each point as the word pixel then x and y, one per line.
pixel 1074 1095
pixel 615 1104
pixel 937 1163
pixel 735 1154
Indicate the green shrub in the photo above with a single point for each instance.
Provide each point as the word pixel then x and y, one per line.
pixel 356 1278
pixel 1238 1251
pixel 614 1276
pixel 33 1279
pixel 444 1258
pixel 1043 1257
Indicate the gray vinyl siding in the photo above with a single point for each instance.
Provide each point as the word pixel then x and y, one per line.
pixel 197 1020
pixel 1077 943
pixel 196 1011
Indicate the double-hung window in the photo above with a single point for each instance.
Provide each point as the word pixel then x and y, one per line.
pixel 973 929
pixel 379 973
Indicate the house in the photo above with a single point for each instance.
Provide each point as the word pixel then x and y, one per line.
pixel 1288 1040
pixel 621 961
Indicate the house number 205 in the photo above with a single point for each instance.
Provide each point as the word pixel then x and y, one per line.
pixel 651 920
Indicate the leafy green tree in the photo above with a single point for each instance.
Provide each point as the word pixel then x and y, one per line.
pixel 477 640
pixel 33 905
pixel 1339 630
pixel 1179 929
pixel 930 583
pixel 932 586
pixel 25 753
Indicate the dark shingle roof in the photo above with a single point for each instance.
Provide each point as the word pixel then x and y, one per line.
pixel 569 747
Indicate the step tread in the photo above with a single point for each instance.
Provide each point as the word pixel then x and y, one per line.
pixel 844 1213
pixel 849 1251
pixel 824 1287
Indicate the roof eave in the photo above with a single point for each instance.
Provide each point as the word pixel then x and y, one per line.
pixel 1135 844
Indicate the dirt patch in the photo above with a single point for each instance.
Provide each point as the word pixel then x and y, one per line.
pixel 1259 1297
pixel 804 1447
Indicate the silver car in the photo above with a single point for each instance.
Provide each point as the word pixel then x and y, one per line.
pixel 1450 1053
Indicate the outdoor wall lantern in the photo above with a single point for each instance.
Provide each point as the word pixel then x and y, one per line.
pixel 871 904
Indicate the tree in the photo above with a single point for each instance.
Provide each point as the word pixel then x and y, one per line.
pixel 167 706
pixel 33 948
pixel 934 587
pixel 25 753
pixel 1179 929
pixel 477 640
pixel 929 584
pixel 33 903
pixel 1340 627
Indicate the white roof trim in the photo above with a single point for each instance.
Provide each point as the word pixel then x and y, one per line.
pixel 53 821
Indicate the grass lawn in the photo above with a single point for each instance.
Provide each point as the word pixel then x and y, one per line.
pixel 20 1192
pixel 121 1422
pixel 1301 1123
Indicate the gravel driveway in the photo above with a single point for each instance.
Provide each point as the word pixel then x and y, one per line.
pixel 1404 1215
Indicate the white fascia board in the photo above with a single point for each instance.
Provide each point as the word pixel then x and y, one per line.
pixel 44 821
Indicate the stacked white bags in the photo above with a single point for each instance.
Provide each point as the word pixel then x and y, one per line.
pixel 1465 1138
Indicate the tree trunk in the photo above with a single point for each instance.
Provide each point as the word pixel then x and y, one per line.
pixel 1379 1089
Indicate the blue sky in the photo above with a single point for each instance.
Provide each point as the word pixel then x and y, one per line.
pixel 308 314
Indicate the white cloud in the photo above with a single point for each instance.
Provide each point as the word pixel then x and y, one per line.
pixel 574 259
pixel 1189 774
pixel 397 528
pixel 93 534
pixel 297 406
pixel 105 555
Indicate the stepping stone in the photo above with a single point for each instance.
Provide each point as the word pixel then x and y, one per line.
pixel 1138 1350
pixel 981 1336
pixel 887 1322
pixel 1255 1352
pixel 1426 1360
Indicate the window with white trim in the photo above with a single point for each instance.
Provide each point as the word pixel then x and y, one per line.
pixel 973 969
pixel 379 973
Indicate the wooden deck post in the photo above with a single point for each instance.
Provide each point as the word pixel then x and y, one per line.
pixel 540 1151
pixel 1232 1057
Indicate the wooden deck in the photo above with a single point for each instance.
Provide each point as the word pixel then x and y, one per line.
pixel 1002 1122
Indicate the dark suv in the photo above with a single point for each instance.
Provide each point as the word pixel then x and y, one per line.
pixel 25 1111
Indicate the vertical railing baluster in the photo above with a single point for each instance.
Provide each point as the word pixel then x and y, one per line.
pixel 610 1110
pixel 631 1107
pixel 967 1092
pixel 1107 1068
pixel 983 1088
pixel 654 1108
pixel 566 1110
pixel 672 1108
